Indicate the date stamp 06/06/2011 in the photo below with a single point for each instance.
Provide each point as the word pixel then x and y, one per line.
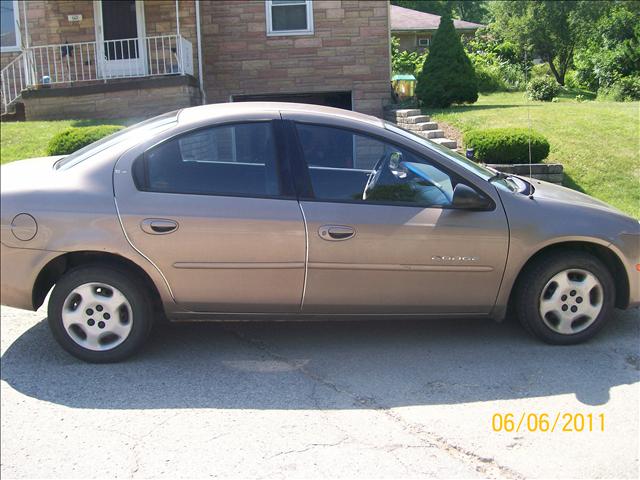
pixel 543 422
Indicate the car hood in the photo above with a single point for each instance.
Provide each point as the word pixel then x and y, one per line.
pixel 30 174
pixel 557 193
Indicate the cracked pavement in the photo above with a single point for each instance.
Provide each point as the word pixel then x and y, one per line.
pixel 378 399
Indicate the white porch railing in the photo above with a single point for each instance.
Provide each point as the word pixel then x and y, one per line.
pixel 42 66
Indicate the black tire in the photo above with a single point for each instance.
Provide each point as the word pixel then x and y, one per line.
pixel 536 276
pixel 129 285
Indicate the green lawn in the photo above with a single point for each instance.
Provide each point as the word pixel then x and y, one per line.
pixel 598 142
pixel 19 140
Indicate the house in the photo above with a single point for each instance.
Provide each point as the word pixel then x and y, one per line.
pixel 137 58
pixel 414 29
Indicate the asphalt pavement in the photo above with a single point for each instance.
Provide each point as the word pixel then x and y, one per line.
pixel 379 399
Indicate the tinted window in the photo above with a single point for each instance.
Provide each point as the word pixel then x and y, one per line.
pixel 129 136
pixel 347 166
pixel 232 159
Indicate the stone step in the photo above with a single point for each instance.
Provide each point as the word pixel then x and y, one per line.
pixel 416 119
pixel 445 142
pixel 422 126
pixel 407 112
pixel 433 134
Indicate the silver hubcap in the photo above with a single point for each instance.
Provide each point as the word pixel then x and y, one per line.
pixel 97 316
pixel 571 301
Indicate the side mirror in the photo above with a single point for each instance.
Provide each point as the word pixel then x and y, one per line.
pixel 395 165
pixel 465 197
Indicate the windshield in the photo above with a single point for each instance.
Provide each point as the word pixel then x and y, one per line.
pixel 137 133
pixel 486 173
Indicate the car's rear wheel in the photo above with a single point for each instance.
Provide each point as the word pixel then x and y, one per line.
pixel 99 314
pixel 565 297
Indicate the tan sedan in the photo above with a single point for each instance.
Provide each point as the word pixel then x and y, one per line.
pixel 267 210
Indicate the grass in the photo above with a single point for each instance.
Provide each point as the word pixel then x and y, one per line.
pixel 597 142
pixel 20 140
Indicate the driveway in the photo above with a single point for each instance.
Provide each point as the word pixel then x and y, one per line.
pixel 344 399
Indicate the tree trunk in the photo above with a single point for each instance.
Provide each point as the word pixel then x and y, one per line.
pixel 559 75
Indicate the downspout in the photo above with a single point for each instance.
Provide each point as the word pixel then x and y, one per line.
pixel 203 95
pixel 27 72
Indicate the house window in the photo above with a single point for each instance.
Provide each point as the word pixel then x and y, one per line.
pixel 289 17
pixel 424 41
pixel 9 33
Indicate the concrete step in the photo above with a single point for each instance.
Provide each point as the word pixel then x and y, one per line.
pixel 406 112
pixel 421 126
pixel 416 119
pixel 445 142
pixel 433 134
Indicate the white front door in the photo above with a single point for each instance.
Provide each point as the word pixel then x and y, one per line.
pixel 121 38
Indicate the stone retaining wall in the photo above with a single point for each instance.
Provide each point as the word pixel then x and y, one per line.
pixel 549 172
pixel 134 99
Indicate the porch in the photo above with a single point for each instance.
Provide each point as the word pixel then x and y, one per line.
pixel 129 40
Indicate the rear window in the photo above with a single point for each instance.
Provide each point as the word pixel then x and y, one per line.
pixel 134 134
pixel 236 159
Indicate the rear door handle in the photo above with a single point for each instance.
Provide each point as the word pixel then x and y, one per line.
pixel 336 232
pixel 158 226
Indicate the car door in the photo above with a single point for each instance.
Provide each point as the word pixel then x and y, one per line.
pixel 397 246
pixel 212 210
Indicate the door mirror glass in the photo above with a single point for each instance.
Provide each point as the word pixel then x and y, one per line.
pixel 467 198
pixel 395 165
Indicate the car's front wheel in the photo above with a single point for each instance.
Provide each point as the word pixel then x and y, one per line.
pixel 565 297
pixel 99 314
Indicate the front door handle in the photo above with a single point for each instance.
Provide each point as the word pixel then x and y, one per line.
pixel 336 232
pixel 158 226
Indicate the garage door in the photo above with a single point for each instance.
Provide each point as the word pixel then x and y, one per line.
pixel 329 99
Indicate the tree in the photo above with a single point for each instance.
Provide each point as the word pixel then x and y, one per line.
pixel 550 29
pixel 469 10
pixel 612 49
pixel 447 76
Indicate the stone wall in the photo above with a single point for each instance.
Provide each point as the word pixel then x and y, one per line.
pixel 133 99
pixel 160 19
pixel 549 172
pixel 348 51
pixel 7 57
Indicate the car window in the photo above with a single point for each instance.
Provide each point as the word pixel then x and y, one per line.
pixel 344 165
pixel 237 159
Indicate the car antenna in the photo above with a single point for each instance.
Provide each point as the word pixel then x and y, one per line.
pixel 528 121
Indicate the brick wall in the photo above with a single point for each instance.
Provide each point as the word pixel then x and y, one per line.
pixel 349 51
pixel 7 57
pixel 141 101
pixel 160 19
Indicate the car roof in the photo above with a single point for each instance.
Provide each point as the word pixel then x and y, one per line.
pixel 204 112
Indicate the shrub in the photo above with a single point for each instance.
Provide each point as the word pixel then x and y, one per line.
pixel 543 89
pixel 571 80
pixel 406 62
pixel 625 89
pixel 507 145
pixel 540 70
pixel 490 80
pixel 74 138
pixel 447 76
